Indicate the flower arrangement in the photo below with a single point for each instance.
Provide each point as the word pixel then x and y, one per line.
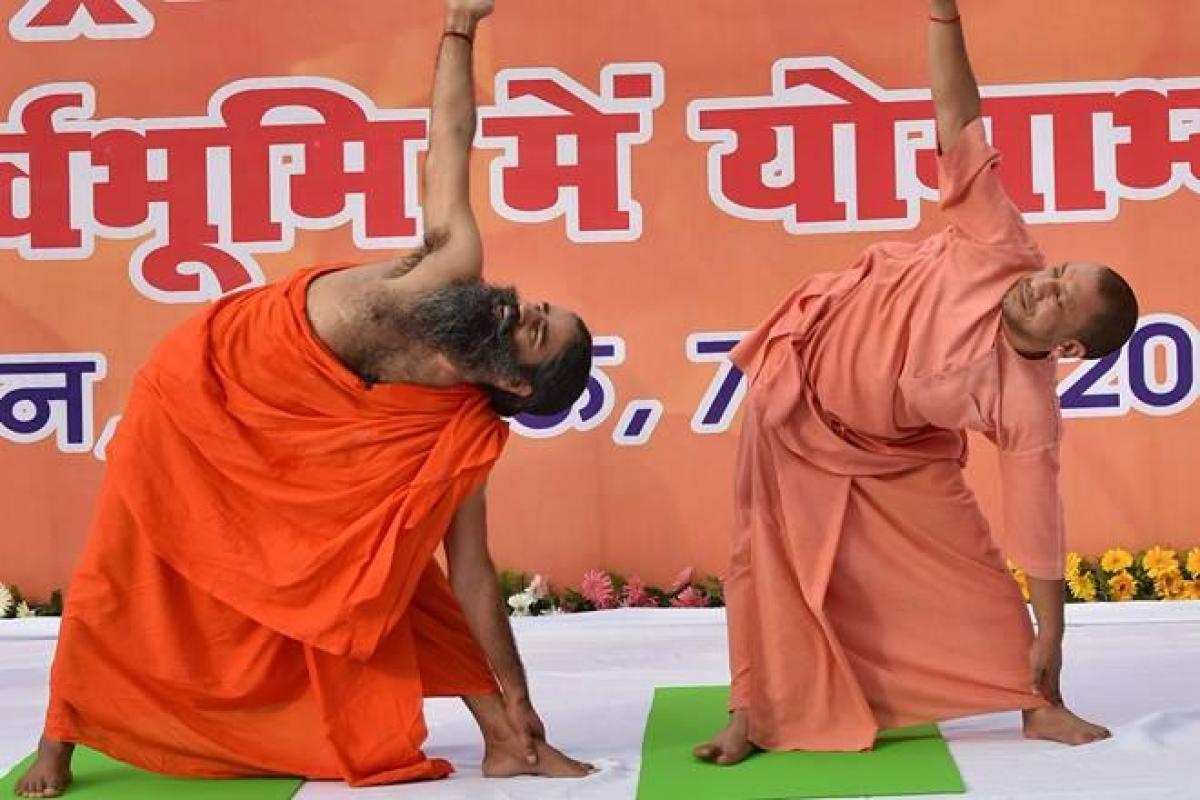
pixel 14 605
pixel 600 589
pixel 1158 573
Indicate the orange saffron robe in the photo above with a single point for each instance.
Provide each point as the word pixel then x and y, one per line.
pixel 865 590
pixel 258 594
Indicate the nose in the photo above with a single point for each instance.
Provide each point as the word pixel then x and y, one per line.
pixel 530 313
pixel 1042 285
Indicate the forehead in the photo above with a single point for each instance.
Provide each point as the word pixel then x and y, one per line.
pixel 1084 280
pixel 1084 275
pixel 562 326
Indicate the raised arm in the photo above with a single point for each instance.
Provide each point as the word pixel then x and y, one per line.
pixel 453 248
pixel 955 92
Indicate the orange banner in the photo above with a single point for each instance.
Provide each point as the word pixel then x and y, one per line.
pixel 669 169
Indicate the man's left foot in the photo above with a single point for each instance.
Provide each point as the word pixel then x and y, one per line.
pixel 50 774
pixel 1057 724
pixel 732 745
pixel 505 760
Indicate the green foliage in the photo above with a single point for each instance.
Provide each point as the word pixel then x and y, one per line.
pixel 52 608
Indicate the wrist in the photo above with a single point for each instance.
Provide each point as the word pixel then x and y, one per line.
pixel 1050 630
pixel 943 9
pixel 460 22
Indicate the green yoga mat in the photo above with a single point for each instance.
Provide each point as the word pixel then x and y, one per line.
pixel 98 777
pixel 905 761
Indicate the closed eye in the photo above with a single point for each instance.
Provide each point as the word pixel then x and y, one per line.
pixel 545 325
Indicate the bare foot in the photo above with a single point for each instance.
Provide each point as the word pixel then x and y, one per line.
pixel 504 759
pixel 1058 724
pixel 730 746
pixel 51 772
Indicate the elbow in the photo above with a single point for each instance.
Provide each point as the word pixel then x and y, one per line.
pixel 950 125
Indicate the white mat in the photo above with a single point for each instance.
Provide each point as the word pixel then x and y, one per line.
pixel 1134 667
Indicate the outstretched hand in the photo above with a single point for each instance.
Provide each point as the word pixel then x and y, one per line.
pixel 527 725
pixel 1045 664
pixel 476 9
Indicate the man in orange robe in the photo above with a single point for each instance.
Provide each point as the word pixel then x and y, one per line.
pixel 864 590
pixel 259 594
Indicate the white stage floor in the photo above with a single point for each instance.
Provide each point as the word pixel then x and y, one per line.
pixel 1134 667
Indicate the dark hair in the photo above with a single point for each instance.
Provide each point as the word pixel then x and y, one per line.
pixel 1111 328
pixel 557 383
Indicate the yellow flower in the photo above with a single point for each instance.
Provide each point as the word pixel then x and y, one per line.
pixel 1122 586
pixel 1019 576
pixel 1169 585
pixel 1074 564
pixel 1116 560
pixel 1193 562
pixel 1083 587
pixel 1191 590
pixel 1158 560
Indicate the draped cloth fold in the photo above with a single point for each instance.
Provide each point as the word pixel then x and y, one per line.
pixel 258 594
pixel 865 589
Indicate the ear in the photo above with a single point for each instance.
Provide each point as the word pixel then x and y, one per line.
pixel 519 388
pixel 1071 348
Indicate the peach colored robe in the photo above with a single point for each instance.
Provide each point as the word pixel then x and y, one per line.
pixel 864 589
pixel 258 594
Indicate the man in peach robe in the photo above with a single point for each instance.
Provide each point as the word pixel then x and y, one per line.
pixel 864 590
pixel 259 594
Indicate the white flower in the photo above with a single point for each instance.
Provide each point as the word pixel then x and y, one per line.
pixel 538 588
pixel 24 611
pixel 520 603
pixel 6 600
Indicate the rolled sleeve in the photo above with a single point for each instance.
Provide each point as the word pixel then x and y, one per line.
pixel 971 193
pixel 1034 528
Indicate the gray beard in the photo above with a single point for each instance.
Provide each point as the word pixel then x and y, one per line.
pixel 460 321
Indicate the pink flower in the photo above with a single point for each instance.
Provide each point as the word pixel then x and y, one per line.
pixel 689 598
pixel 683 579
pixel 538 588
pixel 597 588
pixel 635 594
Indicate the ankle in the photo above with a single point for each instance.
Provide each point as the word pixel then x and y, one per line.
pixel 57 744
pixel 497 734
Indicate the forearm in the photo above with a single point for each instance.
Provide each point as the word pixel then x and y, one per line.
pixel 955 92
pixel 452 120
pixel 478 592
pixel 1047 598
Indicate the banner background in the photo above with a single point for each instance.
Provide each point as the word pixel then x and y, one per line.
pixel 578 501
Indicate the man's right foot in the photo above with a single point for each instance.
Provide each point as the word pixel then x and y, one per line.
pixel 730 746
pixel 1057 724
pixel 50 774
pixel 503 760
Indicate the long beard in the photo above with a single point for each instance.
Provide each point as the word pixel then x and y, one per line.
pixel 464 322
